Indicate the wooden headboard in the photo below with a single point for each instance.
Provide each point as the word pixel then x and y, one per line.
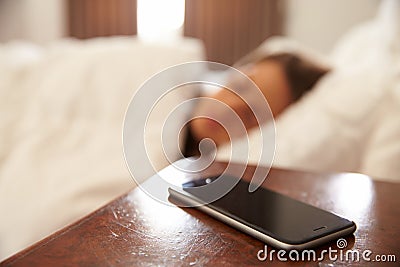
pixel 232 28
pixel 93 18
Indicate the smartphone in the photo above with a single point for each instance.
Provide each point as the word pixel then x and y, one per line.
pixel 273 218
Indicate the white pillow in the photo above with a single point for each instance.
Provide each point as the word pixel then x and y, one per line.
pixel 382 156
pixel 280 44
pixel 373 43
pixel 330 128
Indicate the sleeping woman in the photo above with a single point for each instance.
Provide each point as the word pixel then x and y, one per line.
pixel 282 78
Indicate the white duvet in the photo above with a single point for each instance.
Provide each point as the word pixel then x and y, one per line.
pixel 61 115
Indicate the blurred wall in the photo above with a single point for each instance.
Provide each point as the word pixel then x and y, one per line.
pixel 36 20
pixel 320 23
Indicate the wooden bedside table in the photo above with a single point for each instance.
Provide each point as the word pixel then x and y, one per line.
pixel 135 230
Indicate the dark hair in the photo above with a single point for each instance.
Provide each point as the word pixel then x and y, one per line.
pixel 302 74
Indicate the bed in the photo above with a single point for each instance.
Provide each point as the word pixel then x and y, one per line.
pixel 62 108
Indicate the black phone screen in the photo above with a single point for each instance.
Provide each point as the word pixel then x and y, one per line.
pixel 273 214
